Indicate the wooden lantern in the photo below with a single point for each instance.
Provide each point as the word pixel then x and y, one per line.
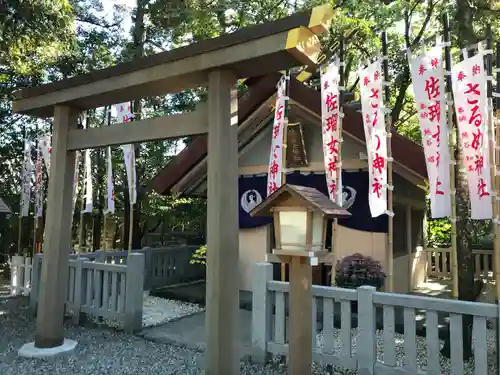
pixel 300 222
pixel 300 216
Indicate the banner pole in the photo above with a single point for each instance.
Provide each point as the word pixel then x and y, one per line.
pixel 82 203
pixel 496 176
pixel 132 182
pixel 452 141
pixel 388 120
pixel 283 155
pixel 38 187
pixel 493 159
pixel 338 177
pixel 131 191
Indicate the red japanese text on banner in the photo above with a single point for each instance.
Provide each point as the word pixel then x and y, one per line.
pixel 428 84
pixel 376 139
pixel 275 172
pixel 471 107
pixel 46 150
pixel 110 188
pixel 330 125
pixel 124 114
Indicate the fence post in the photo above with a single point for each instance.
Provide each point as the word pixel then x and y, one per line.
pixel 367 327
pixel 134 292
pixel 262 312
pixel 16 275
pixel 79 290
pixel 35 282
pixel 26 289
pixel 147 268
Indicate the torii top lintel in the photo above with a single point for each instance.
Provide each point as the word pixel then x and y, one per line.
pixel 253 51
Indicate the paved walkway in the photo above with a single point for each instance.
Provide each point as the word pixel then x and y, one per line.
pixel 190 332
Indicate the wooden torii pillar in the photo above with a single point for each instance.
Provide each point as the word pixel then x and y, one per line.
pixel 217 63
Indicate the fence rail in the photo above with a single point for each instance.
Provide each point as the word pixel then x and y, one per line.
pixel 372 354
pixel 98 282
pixel 439 263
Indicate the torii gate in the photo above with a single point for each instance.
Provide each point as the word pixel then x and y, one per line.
pixel 218 63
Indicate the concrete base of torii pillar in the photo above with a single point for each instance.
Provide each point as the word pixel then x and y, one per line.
pixel 31 351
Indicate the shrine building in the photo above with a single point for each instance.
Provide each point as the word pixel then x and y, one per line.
pixel 186 175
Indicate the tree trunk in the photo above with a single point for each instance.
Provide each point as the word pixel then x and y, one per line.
pixel 465 260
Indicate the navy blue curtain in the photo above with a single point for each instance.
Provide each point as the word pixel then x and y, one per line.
pixel 252 190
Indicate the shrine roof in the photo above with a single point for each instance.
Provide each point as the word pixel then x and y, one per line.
pixel 308 196
pixel 405 152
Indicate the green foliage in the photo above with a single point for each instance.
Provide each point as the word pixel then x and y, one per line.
pixel 199 256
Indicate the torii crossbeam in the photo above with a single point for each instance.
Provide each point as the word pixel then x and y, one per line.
pixel 216 63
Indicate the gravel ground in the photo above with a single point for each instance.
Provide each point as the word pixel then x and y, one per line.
pixel 101 351
pixel 421 352
pixel 107 351
pixel 158 311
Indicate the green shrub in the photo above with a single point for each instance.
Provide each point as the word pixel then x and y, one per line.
pixel 199 256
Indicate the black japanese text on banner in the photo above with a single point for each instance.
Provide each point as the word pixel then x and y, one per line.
pixel 471 107
pixel 429 86
pixel 330 120
pixel 376 138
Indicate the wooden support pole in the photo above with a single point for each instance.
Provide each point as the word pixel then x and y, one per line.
pixel 338 182
pixel 131 193
pixel 285 141
pixel 452 139
pixel 20 230
pixel 409 246
pixel 222 295
pixel 54 276
pixel 301 329
pixel 390 218
pixel 493 159
pixel 496 176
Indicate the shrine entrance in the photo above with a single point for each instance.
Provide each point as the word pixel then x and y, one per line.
pixel 218 64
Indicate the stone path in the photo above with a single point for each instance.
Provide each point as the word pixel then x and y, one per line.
pixel 190 332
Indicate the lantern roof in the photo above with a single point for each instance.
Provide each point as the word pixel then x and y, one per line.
pixel 301 196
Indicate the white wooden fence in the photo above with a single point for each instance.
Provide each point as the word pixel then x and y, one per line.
pixel 270 327
pixel 20 276
pixel 439 263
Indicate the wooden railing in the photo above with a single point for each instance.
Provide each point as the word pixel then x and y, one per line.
pixel 111 291
pixel 439 263
pixel 391 313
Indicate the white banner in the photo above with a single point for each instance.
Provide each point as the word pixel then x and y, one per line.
pixel 87 182
pixel 75 181
pixel 330 124
pixel 129 160
pixel 471 107
pixel 110 188
pixel 275 172
pixel 38 185
pixel 124 114
pixel 46 149
pixel 376 139
pixel 26 180
pixel 429 86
